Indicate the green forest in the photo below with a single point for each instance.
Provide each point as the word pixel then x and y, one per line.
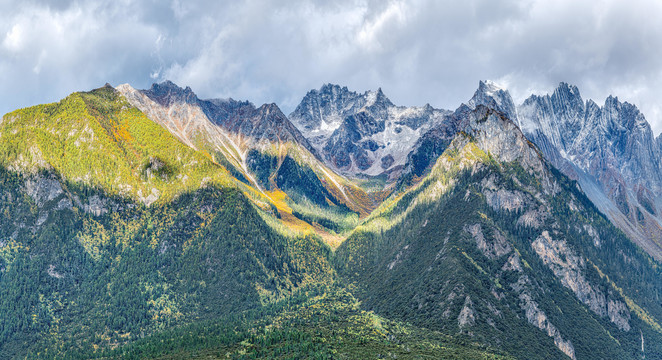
pixel 119 241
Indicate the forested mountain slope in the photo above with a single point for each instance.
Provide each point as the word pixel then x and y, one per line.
pixel 112 229
pixel 154 224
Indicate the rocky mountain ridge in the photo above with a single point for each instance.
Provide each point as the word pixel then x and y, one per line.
pixel 362 134
pixel 609 149
pixel 239 118
pixel 261 148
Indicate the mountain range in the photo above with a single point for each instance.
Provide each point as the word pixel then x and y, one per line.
pixel 155 224
pixel 362 134
pixel 610 150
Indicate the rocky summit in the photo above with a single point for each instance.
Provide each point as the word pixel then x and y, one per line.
pixel 610 150
pixel 362 134
pixel 155 224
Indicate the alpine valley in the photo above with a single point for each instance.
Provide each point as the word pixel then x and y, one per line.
pixel 145 224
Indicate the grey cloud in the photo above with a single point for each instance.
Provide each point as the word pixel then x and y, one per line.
pixel 418 51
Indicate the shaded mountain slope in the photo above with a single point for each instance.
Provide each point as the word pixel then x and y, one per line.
pixel 274 163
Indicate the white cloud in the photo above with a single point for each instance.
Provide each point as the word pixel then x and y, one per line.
pixel 50 52
pixel 14 39
pixel 418 51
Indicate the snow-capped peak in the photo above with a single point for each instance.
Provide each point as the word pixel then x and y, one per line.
pixel 494 96
pixel 489 87
pixel 371 97
pixel 378 98
pixel 361 133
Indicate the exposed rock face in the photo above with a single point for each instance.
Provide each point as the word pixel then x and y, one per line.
pixel 362 134
pixel 431 144
pixel 619 314
pixel 398 257
pixel 65 203
pixel 235 117
pixel 53 273
pixel 501 199
pixel 97 205
pixel 492 96
pixel 594 234
pixel 322 111
pixel 168 94
pixel 493 246
pixel 466 317
pixel 490 116
pixel 48 195
pixel 538 318
pixel 569 269
pixel 175 109
pixel 43 189
pixel 532 218
pixel 264 123
pixel 495 134
pixel 47 192
pixel 513 264
pixel 609 150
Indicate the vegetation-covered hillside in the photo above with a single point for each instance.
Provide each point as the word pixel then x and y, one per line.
pixel 100 140
pixel 84 260
pixel 119 240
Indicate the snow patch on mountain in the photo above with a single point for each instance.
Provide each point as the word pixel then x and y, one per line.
pixel 362 134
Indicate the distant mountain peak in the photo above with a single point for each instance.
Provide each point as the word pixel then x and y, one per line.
pixel 566 86
pixel 609 149
pixel 612 99
pixel 361 133
pixel 322 111
pixel 167 93
pixel 489 86
pixel 329 87
pixel 567 91
pixel 493 96
pixel 166 86
pixel 270 107
pixel 273 111
pixel 377 98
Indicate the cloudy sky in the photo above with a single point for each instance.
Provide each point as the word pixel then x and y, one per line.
pixel 417 51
